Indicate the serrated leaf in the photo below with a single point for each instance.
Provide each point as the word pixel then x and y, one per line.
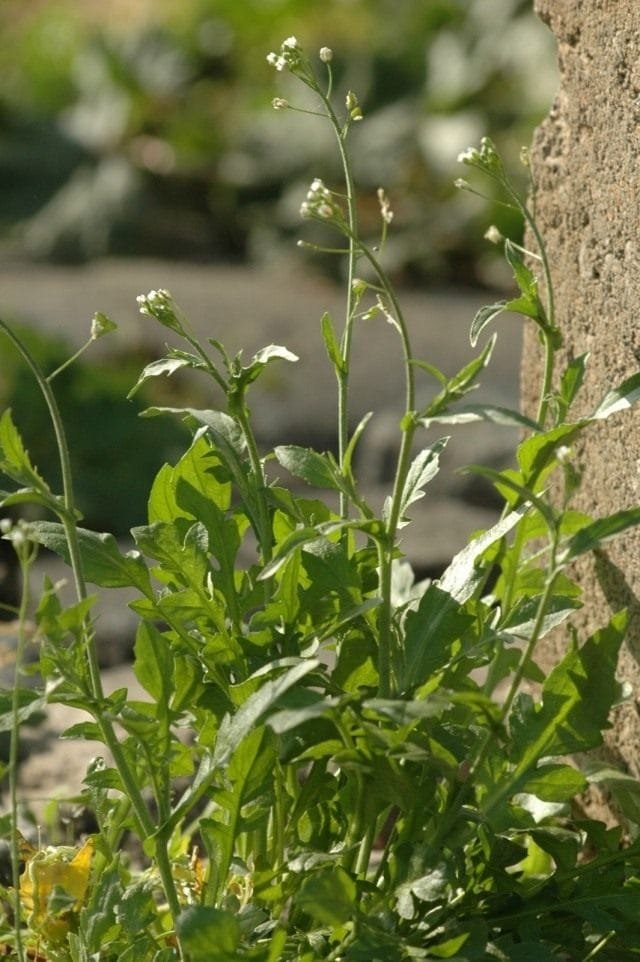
pixel 576 699
pixel 234 728
pixel 529 306
pixel 620 398
pixel 14 458
pixel 102 562
pixel 431 630
pixel 596 533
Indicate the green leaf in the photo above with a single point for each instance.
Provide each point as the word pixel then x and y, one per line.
pixel 355 437
pixel 423 469
pixel 468 413
pixel 273 352
pixel 318 470
pixel 522 617
pixel 461 577
pixel 14 458
pixel 331 342
pixel 234 728
pixel 202 469
pixel 576 700
pixel 570 383
pixel 460 384
pixel 623 788
pixel 596 533
pixel 208 934
pixel 524 277
pixel 153 664
pixel 102 562
pixel 224 429
pixel 431 630
pixel 30 703
pixel 328 896
pixel 555 783
pixel 294 541
pixel 620 398
pixel 483 317
pixel 166 365
pixel 508 480
pixel 537 453
pixel 246 375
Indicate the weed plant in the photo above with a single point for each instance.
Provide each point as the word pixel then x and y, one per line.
pixel 319 771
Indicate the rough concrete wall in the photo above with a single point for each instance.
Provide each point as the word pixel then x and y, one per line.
pixel 586 164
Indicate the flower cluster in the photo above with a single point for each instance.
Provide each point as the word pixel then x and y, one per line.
pixel 319 202
pixel 288 57
pixel 160 305
pixel 486 158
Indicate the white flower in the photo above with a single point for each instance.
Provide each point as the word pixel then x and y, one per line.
pixel 326 54
pixel 276 61
pixel 493 234
pixel 279 104
pixel 468 156
pixel 290 43
pixel 385 209
pixel 319 201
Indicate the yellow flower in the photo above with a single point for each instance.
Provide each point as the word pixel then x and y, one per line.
pixel 53 886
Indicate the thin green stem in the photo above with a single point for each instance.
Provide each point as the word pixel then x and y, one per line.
pixel 68 516
pixel 70 360
pixel 386 682
pixel 26 555
pixel 264 533
pixel 342 374
pixel 549 332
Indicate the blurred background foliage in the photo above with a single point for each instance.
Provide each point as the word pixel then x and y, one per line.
pixel 145 127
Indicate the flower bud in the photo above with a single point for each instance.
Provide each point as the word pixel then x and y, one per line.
pixel 326 54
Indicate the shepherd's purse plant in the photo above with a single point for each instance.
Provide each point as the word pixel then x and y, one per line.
pixel 333 761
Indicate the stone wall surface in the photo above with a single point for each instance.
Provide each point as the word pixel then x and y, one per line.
pixel 586 166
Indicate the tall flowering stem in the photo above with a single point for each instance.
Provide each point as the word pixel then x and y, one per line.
pixel 340 211
pixel 320 205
